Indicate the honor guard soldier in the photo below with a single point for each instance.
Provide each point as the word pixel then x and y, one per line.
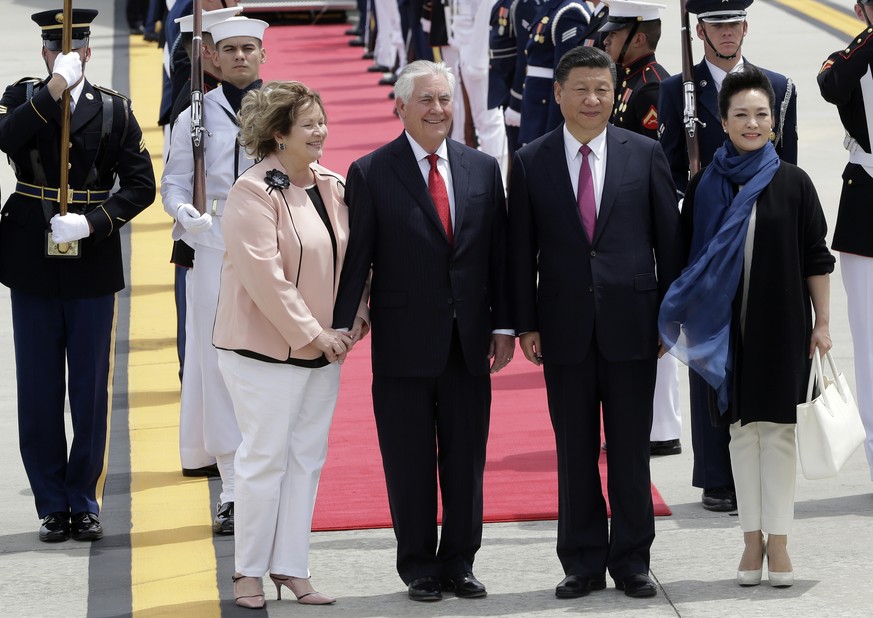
pixel 502 54
pixel 561 26
pixel 239 53
pixel 522 17
pixel 631 35
pixel 722 25
pixel 64 271
pixel 846 80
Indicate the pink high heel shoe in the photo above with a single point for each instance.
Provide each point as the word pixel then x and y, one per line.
pixel 248 591
pixel 296 586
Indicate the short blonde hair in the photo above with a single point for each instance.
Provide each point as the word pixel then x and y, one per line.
pixel 271 110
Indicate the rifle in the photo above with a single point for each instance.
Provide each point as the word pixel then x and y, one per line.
pixel 689 116
pixel 63 184
pixel 199 197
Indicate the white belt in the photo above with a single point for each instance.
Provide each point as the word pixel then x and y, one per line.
pixel 864 159
pixel 544 72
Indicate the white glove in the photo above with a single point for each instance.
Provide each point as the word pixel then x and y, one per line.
pixel 511 117
pixel 850 144
pixel 70 227
pixel 192 220
pixel 69 66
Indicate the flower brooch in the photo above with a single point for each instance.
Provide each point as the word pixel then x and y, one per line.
pixel 276 180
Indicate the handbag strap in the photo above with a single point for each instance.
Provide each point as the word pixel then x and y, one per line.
pixel 816 375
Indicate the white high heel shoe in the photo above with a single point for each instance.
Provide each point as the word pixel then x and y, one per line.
pixel 779 579
pixel 752 578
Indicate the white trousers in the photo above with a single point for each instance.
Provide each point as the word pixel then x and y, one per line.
pixel 858 280
pixel 284 415
pixel 390 47
pixel 221 435
pixel 192 450
pixel 667 420
pixel 764 462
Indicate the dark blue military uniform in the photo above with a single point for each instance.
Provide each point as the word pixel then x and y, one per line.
pixel 671 105
pixel 559 26
pixel 523 19
pixel 503 52
pixel 840 84
pixel 63 308
pixel 636 96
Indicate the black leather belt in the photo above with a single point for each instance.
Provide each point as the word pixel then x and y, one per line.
pixel 74 196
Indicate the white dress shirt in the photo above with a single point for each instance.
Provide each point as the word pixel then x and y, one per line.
pixel 597 161
pixel 718 74
pixel 442 167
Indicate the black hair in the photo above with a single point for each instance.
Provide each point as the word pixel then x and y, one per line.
pixel 590 57
pixel 749 78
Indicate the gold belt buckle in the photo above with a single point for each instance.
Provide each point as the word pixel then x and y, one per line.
pixel 61 250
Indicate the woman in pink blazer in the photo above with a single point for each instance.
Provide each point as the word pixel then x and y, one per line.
pixel 286 231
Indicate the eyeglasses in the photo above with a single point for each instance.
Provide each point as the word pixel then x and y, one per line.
pixel 56 45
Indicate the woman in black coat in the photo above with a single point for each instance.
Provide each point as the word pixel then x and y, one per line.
pixel 741 315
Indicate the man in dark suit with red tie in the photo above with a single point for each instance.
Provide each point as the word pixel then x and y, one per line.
pixel 428 216
pixel 596 243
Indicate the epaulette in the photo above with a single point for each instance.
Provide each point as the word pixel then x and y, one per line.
pixel 28 80
pixel 857 42
pixel 111 92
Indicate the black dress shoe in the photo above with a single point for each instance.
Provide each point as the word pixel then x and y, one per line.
pixel 378 68
pixel 55 528
pixel 356 31
pixel 210 471
pixel 368 55
pixel 465 586
pixel 575 586
pixel 356 42
pixel 425 589
pixel 722 499
pixel 388 81
pixel 223 522
pixel 665 447
pixel 85 527
pixel 638 586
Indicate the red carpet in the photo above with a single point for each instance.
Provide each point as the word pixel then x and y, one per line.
pixel 520 474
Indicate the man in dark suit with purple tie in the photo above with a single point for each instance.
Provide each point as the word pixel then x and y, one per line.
pixel 596 243
pixel 428 216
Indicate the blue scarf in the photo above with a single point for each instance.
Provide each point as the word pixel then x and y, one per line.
pixel 695 316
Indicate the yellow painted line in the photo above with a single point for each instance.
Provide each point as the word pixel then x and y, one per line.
pixel 173 562
pixel 835 18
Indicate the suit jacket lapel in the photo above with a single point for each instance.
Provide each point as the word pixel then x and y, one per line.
pixel 86 108
pixel 616 163
pixel 460 183
pixel 409 174
pixel 558 178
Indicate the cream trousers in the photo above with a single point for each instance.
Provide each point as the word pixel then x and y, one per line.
pixel 764 462
pixel 284 414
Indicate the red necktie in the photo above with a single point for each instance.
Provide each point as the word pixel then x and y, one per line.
pixel 585 194
pixel 440 196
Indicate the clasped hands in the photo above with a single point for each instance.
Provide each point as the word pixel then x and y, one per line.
pixel 336 344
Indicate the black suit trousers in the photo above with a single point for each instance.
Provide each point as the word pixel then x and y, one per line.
pixel 576 394
pixel 434 429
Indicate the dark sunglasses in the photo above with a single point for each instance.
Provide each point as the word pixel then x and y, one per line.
pixel 56 45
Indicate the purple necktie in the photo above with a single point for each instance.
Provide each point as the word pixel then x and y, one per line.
pixel 585 194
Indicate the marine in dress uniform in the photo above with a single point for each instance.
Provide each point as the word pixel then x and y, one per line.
pixel 523 18
pixel 716 18
pixel 631 35
pixel 560 26
pixel 63 304
pixel 238 41
pixel 846 80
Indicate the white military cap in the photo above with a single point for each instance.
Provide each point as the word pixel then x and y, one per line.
pixel 624 13
pixel 238 26
pixel 210 18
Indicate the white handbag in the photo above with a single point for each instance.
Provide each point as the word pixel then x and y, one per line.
pixel 829 428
